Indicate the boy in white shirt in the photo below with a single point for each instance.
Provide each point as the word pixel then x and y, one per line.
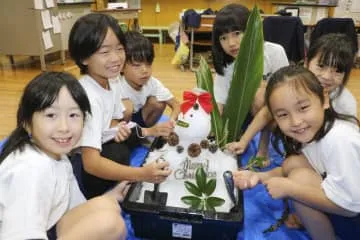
pixel 144 96
pixel 97 45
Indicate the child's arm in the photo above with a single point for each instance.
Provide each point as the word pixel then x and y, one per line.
pixel 163 94
pixel 175 107
pixel 123 131
pixel 261 119
pixel 104 168
pixel 305 184
pixel 310 194
pixel 129 109
pixel 119 191
pixel 245 179
pixel 161 129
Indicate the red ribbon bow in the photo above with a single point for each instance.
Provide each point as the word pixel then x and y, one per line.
pixel 190 99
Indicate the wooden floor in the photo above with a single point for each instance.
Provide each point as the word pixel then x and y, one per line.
pixel 14 79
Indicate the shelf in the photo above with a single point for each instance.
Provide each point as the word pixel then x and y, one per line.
pixel 75 3
pixel 203 42
pixel 304 4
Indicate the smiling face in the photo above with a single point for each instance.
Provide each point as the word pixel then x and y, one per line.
pixel 298 113
pixel 230 42
pixel 57 129
pixel 137 73
pixel 108 60
pixel 329 77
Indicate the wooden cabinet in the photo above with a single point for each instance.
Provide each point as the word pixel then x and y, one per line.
pixel 21 28
pixel 68 14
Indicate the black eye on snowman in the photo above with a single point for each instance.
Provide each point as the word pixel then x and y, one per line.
pixel 196 106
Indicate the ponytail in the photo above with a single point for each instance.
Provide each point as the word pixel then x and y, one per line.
pixel 17 140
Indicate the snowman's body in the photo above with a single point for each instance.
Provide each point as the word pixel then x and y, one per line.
pixel 198 124
pixel 194 127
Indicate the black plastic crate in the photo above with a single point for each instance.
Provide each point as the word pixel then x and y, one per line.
pixel 163 222
pixel 159 222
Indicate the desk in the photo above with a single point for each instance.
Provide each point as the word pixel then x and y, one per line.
pixel 206 25
pixel 158 32
pixel 123 14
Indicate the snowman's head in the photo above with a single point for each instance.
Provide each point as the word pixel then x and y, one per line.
pixel 194 121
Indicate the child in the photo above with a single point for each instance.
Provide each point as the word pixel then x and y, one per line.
pixel 330 58
pixel 37 187
pixel 97 45
pixel 144 96
pixel 319 174
pixel 228 29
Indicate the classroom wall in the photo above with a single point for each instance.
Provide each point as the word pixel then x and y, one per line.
pixel 348 8
pixel 170 9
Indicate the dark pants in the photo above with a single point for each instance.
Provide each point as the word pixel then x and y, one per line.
pixel 346 227
pixel 117 152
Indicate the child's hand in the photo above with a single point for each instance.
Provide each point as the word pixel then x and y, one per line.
pixel 172 122
pixel 123 132
pixel 277 187
pixel 236 147
pixel 120 190
pixel 161 129
pixel 245 179
pixel 259 98
pixel 156 172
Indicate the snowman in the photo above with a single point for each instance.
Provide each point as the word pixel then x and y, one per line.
pixel 194 120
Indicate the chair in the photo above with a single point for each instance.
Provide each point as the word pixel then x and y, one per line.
pixel 2 143
pixel 335 25
pixel 288 32
pixel 294 11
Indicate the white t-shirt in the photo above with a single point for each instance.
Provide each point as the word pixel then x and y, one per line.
pixel 105 106
pixel 35 192
pixel 274 58
pixel 153 87
pixel 338 155
pixel 345 103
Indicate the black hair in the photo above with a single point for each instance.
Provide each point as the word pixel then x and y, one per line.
pixel 87 35
pixel 138 48
pixel 301 78
pixel 232 17
pixel 39 94
pixel 336 50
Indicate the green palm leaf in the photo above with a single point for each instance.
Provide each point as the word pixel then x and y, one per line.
pixel 248 71
pixel 204 81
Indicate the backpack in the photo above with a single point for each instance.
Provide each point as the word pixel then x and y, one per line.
pixel 191 19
